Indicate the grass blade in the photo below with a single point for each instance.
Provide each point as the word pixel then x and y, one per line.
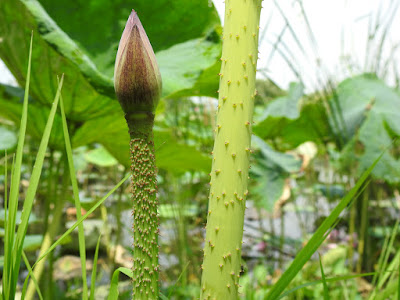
pixel 9 285
pixel 81 233
pixel 163 297
pixel 380 261
pixel 33 184
pixel 383 277
pixel 398 282
pixel 28 266
pixel 179 278
pixel 384 271
pixel 326 291
pixel 81 219
pixel 5 188
pixel 334 279
pixel 113 295
pixel 93 281
pixel 317 238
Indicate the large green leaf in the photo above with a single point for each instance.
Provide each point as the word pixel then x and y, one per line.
pixel 280 112
pixel 53 53
pixel 286 106
pixel 97 25
pixel 182 68
pixel 100 157
pixel 170 155
pixel 87 60
pixel 371 115
pixel 178 158
pixel 8 139
pixel 270 170
pixel 293 119
pixel 83 46
pixel 111 131
pixel 11 108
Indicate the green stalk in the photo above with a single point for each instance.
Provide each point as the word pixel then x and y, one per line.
pixel 363 231
pixel 145 204
pixel 352 226
pixel 229 175
pixel 137 83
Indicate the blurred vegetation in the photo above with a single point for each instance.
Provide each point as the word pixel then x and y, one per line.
pixel 309 150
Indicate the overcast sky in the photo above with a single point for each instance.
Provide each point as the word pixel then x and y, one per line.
pixel 340 31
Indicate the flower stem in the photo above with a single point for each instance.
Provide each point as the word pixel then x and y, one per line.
pixel 145 204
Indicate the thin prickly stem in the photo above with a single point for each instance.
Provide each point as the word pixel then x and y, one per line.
pixel 137 82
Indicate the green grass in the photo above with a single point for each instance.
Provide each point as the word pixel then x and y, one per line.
pixel 324 284
pixel 317 238
pixel 81 234
pixel 93 281
pixel 13 243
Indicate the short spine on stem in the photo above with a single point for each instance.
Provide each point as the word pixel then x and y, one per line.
pixel 137 82
pixel 230 164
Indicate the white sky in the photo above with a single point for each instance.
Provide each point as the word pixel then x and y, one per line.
pixel 340 28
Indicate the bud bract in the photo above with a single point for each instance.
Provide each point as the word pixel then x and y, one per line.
pixel 137 78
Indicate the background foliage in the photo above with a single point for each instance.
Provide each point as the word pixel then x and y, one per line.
pixel 309 149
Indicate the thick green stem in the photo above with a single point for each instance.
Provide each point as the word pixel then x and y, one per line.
pixel 229 175
pixel 145 203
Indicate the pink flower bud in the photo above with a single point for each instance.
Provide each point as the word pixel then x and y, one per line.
pixel 137 78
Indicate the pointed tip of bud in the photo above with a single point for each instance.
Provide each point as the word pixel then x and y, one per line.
pixel 137 78
pixel 133 20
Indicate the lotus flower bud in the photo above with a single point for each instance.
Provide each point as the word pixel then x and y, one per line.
pixel 137 78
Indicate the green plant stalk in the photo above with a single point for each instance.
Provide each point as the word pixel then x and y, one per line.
pixel 145 204
pixel 352 225
pixel 363 231
pixel 137 82
pixel 229 175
